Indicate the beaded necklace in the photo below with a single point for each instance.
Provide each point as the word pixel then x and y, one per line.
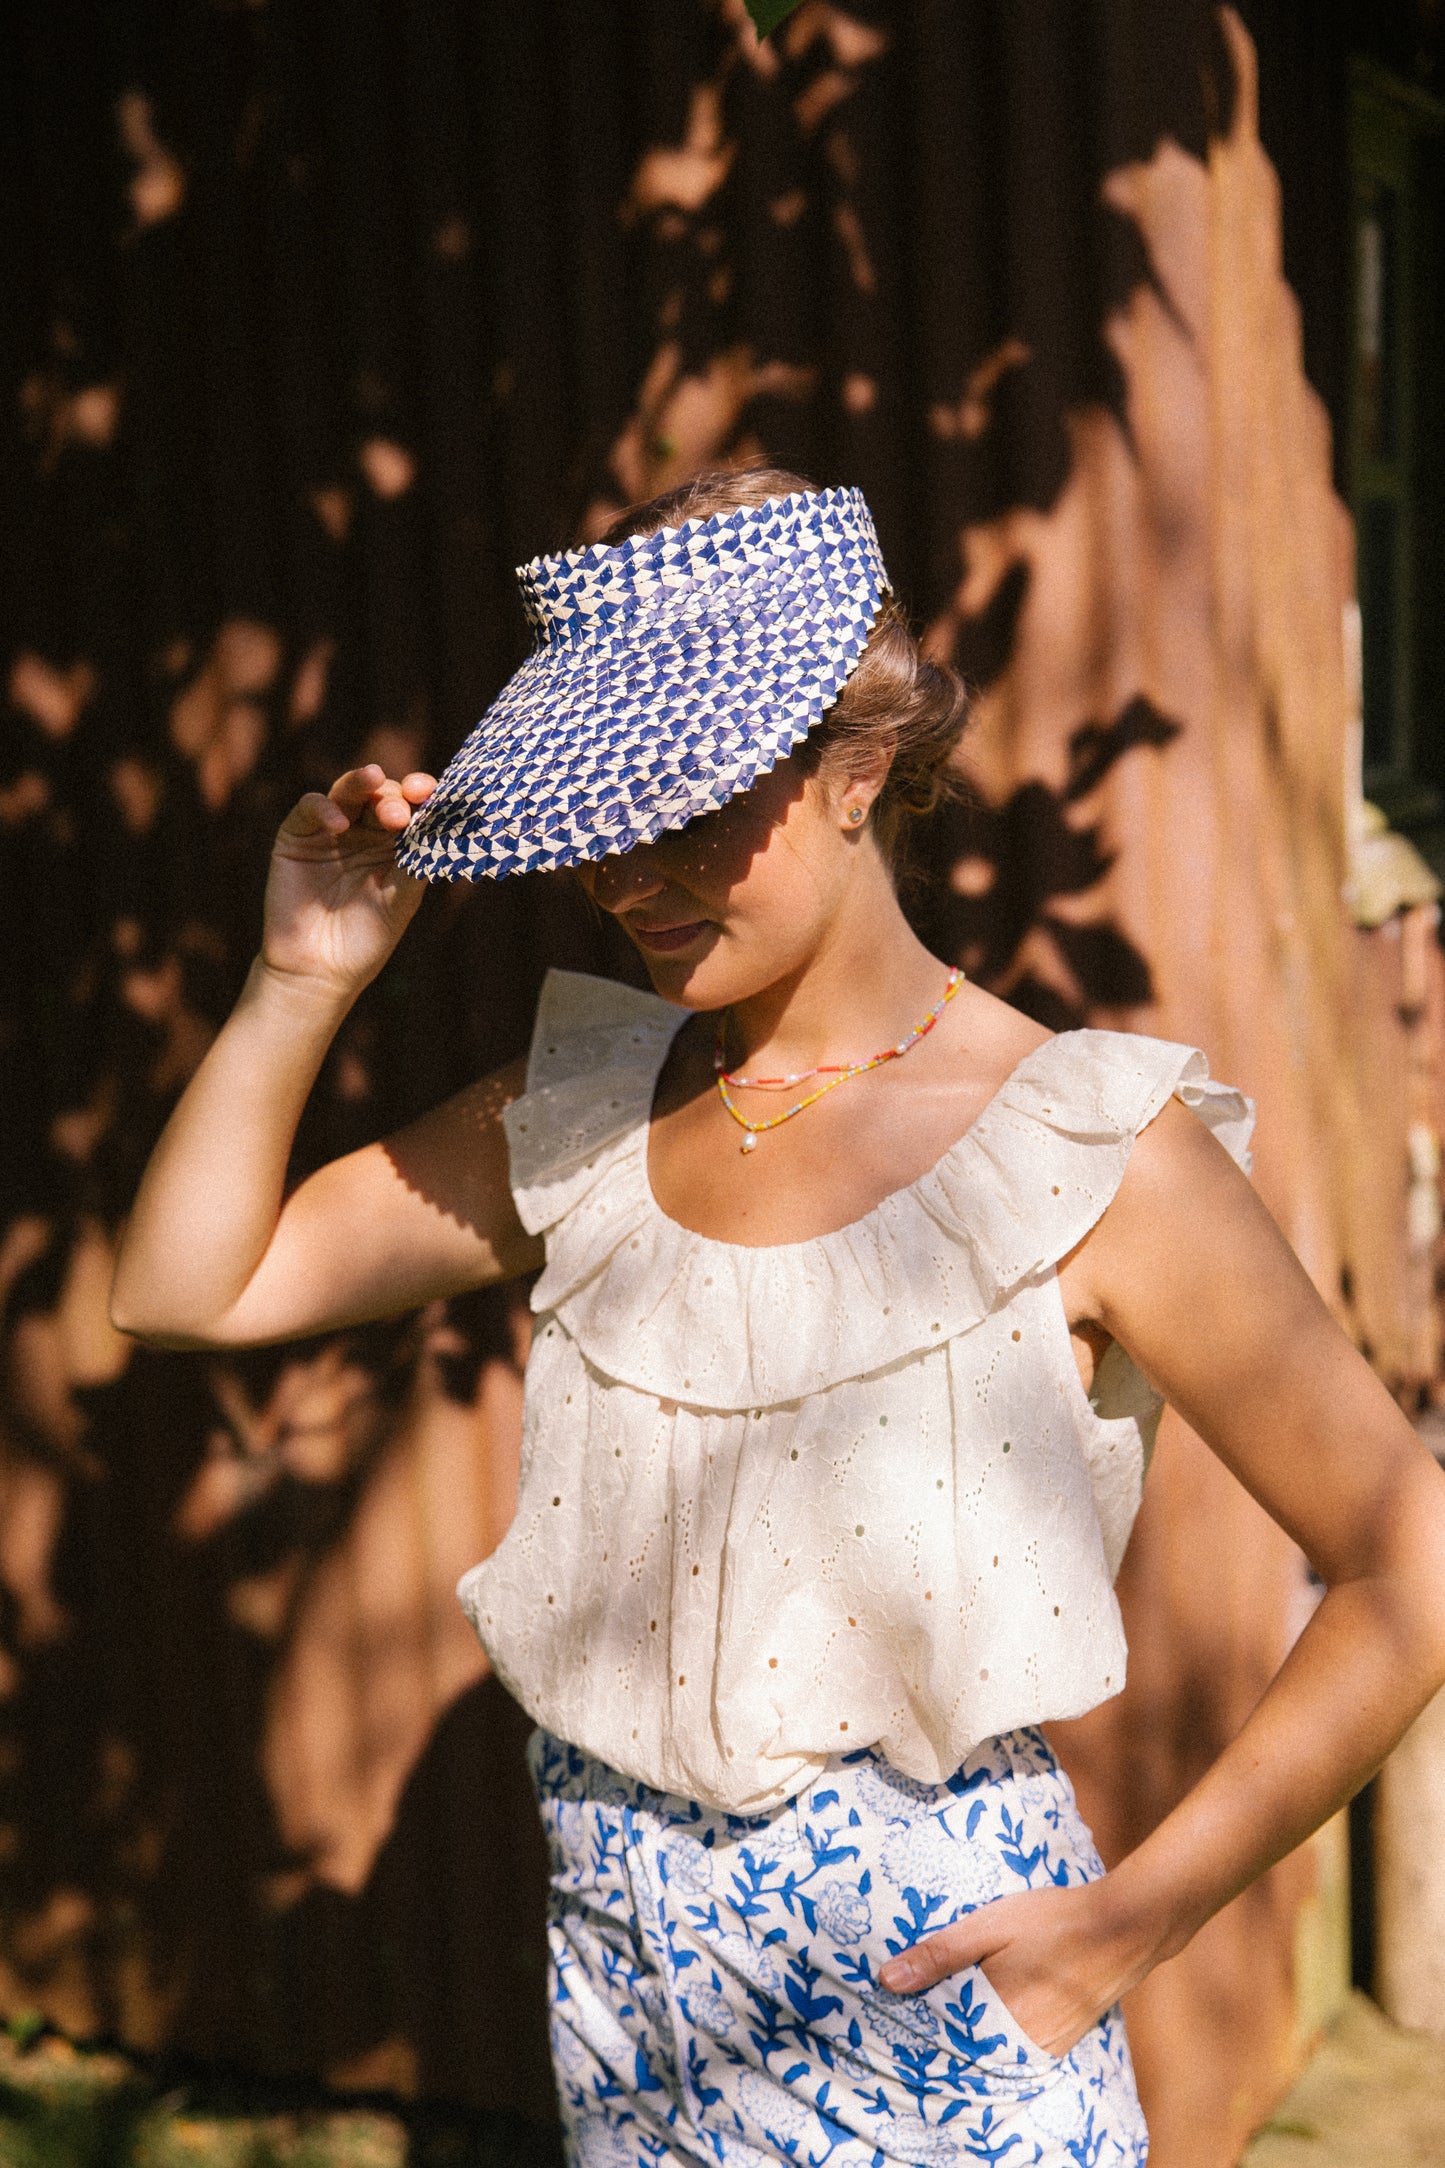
pixel 836 1073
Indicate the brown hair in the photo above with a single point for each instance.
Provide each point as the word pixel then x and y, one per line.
pixel 893 692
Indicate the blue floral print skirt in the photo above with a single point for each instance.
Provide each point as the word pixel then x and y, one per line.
pixel 714 1977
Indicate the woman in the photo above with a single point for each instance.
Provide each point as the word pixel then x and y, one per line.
pixel 836 1410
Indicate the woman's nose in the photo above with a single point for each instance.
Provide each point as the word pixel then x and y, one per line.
pixel 619 881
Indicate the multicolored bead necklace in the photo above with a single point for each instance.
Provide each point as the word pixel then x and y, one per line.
pixel 837 1073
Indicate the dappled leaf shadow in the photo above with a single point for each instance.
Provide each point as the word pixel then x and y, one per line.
pixel 993 872
pixel 375 1964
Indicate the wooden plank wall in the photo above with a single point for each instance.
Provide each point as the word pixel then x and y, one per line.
pixel 325 317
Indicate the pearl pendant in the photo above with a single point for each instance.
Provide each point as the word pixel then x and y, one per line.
pixel 749 1143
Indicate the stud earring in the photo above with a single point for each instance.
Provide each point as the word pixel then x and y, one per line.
pixel 855 814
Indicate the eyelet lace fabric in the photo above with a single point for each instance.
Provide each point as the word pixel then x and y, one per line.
pixel 781 1504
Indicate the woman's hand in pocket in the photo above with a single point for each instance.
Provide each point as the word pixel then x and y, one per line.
pixel 1057 1958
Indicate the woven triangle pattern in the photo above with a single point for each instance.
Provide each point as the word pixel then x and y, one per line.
pixel 669 672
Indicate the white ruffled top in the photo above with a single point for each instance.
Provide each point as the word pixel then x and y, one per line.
pixel 776 1504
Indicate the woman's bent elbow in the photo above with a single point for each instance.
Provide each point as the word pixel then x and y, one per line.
pixel 153 1325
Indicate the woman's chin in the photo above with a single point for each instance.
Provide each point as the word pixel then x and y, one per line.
pixel 683 976
pixel 711 976
pixel 693 975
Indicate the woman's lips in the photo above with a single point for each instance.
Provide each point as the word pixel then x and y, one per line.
pixel 662 939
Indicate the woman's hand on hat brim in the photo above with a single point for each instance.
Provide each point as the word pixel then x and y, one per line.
pixel 337 903
pixel 367 797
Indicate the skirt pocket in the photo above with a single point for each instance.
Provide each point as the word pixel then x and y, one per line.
pixel 981 2030
pixel 1020 2051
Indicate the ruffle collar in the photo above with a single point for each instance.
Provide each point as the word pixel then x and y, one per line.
pixel 717 1325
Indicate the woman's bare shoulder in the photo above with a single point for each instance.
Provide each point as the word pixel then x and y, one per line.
pixel 1181 1192
pixel 994 1036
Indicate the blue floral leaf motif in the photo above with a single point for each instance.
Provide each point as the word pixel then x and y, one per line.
pixel 865 1882
pixel 843 1912
pixel 833 1855
pixel 1012 1852
pixel 834 2132
pixel 697 2062
pixel 966 1780
pixel 811 2008
pixel 773 2025
pixel 975 1815
pixel 824 1799
pixel 964 2019
pixel 914 2067
pixel 752 1870
pixel 980 2140
pixel 791 2077
pixel 920 1911
pixel 1086 2149
pixel 642 2077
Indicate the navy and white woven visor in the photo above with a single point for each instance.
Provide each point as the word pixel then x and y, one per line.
pixel 670 671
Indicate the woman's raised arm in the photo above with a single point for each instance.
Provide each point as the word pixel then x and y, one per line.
pixel 214 1253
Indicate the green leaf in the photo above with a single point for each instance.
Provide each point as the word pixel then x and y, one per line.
pixel 767 14
pixel 25 2028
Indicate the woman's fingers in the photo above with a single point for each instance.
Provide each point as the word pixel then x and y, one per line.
pixel 968 1942
pixel 362 792
pixel 353 790
pixel 370 794
pixel 365 796
pixel 396 802
pixel 317 814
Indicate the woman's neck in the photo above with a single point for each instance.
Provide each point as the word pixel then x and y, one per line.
pixel 866 983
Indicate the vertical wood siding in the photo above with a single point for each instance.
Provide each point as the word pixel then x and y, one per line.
pixel 320 318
